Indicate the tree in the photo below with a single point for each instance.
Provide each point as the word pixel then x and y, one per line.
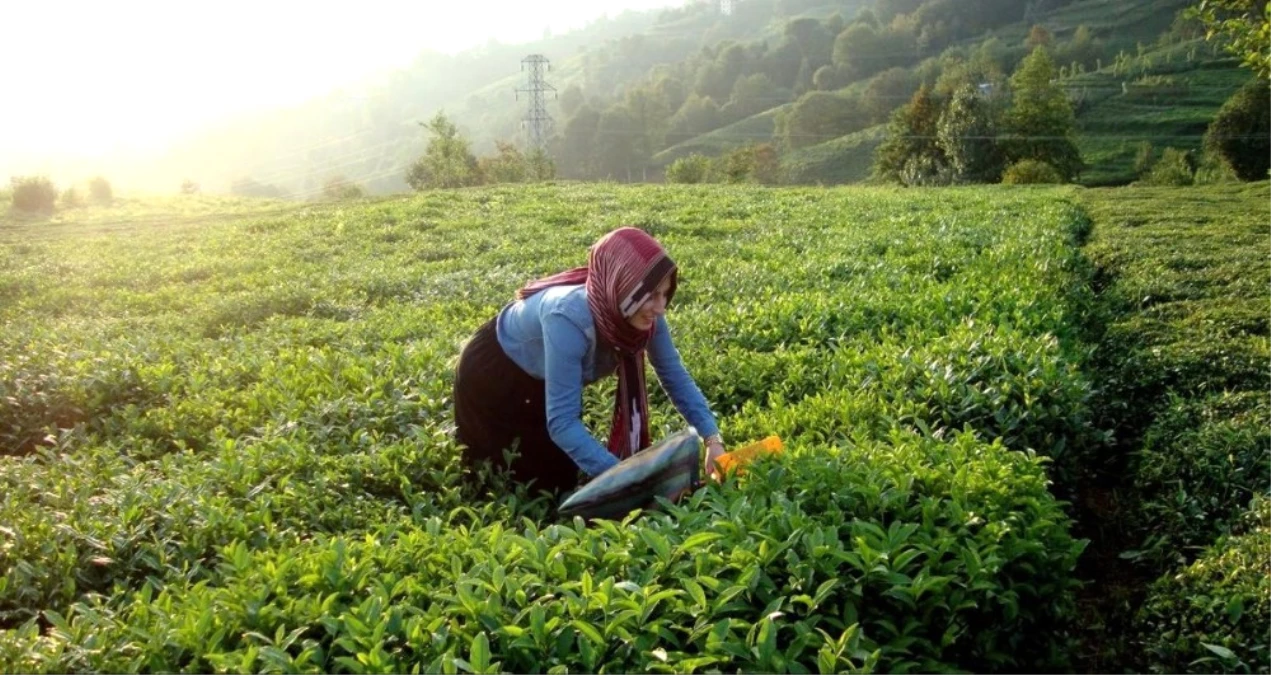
pixel 539 165
pixel 571 100
pixel 698 115
pixel 819 116
pixel 189 187
pixel 616 144
pixel 249 187
pixel 966 133
pixel 650 119
pixel 337 188
pixel 447 162
pixel 1038 36
pixel 910 154
pixel 1245 25
pixel 33 193
pixel 752 94
pixel 1040 122
pixel 507 165
pixel 887 91
pixel 578 153
pixel 690 169
pixel 858 49
pixel 1143 159
pixel 814 41
pixel 1241 132
pixel 99 190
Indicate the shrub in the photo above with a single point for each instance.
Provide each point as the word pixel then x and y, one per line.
pixel 189 187
pixel 1213 616
pixel 339 188
pixel 1241 132
pixel 33 193
pixel 1031 171
pixel 1144 157
pixel 71 198
pixel 690 169
pixel 99 190
pixel 1201 460
pixel 1171 169
pixel 248 187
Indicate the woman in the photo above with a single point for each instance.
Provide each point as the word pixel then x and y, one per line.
pixel 520 378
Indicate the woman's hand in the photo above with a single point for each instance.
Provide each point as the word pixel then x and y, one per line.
pixel 714 449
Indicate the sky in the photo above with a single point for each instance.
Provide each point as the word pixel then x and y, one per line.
pixel 93 78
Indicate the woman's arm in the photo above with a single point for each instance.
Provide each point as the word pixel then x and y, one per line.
pixel 679 386
pixel 565 347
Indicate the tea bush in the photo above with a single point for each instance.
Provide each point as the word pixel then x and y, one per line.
pixel 237 449
pixel 1212 616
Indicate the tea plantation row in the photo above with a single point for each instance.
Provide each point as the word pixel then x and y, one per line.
pixel 1185 290
pixel 229 447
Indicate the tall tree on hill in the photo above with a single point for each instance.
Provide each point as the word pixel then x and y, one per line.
pixel 650 119
pixel 752 94
pixel 1246 27
pixel 967 135
pixel 887 91
pixel 571 99
pixel 1241 131
pixel 859 51
pixel 447 162
pixel 819 116
pixel 698 115
pixel 578 156
pixel 911 154
pixel 616 143
pixel 814 40
pixel 1040 123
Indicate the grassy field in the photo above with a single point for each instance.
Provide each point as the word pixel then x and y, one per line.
pixel 227 437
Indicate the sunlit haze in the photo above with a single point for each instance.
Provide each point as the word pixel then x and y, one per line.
pixel 88 78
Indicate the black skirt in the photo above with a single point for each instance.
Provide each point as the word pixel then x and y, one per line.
pixel 498 405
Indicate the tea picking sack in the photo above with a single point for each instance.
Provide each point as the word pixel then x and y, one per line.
pixel 664 469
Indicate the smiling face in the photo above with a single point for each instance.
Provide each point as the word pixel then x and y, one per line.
pixel 654 306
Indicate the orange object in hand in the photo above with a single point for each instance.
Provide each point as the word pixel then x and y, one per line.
pixel 736 459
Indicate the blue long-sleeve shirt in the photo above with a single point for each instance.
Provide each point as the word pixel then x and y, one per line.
pixel 552 336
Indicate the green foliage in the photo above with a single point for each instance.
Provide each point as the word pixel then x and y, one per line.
pixel 337 188
pixel 911 153
pixel 756 163
pixel 857 51
pixel 1200 461
pixel 820 116
pixel 33 193
pixel 1173 168
pixel 99 190
pixel 189 187
pixel 245 448
pixel 1144 158
pixel 447 162
pixel 1040 122
pixel 1212 617
pixel 1245 28
pixel 967 134
pixel 71 198
pixel 691 169
pixel 1241 132
pixel 249 187
pixel 508 165
pixel 1031 172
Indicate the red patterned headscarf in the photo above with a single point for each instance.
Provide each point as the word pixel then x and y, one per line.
pixel 623 269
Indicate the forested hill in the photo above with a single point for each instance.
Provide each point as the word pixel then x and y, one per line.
pixel 817 79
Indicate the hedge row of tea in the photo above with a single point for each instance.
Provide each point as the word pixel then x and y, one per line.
pixel 230 449
pixel 1187 345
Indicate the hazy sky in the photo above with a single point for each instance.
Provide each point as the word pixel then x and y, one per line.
pixel 101 76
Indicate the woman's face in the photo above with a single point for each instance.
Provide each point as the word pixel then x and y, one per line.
pixel 653 307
